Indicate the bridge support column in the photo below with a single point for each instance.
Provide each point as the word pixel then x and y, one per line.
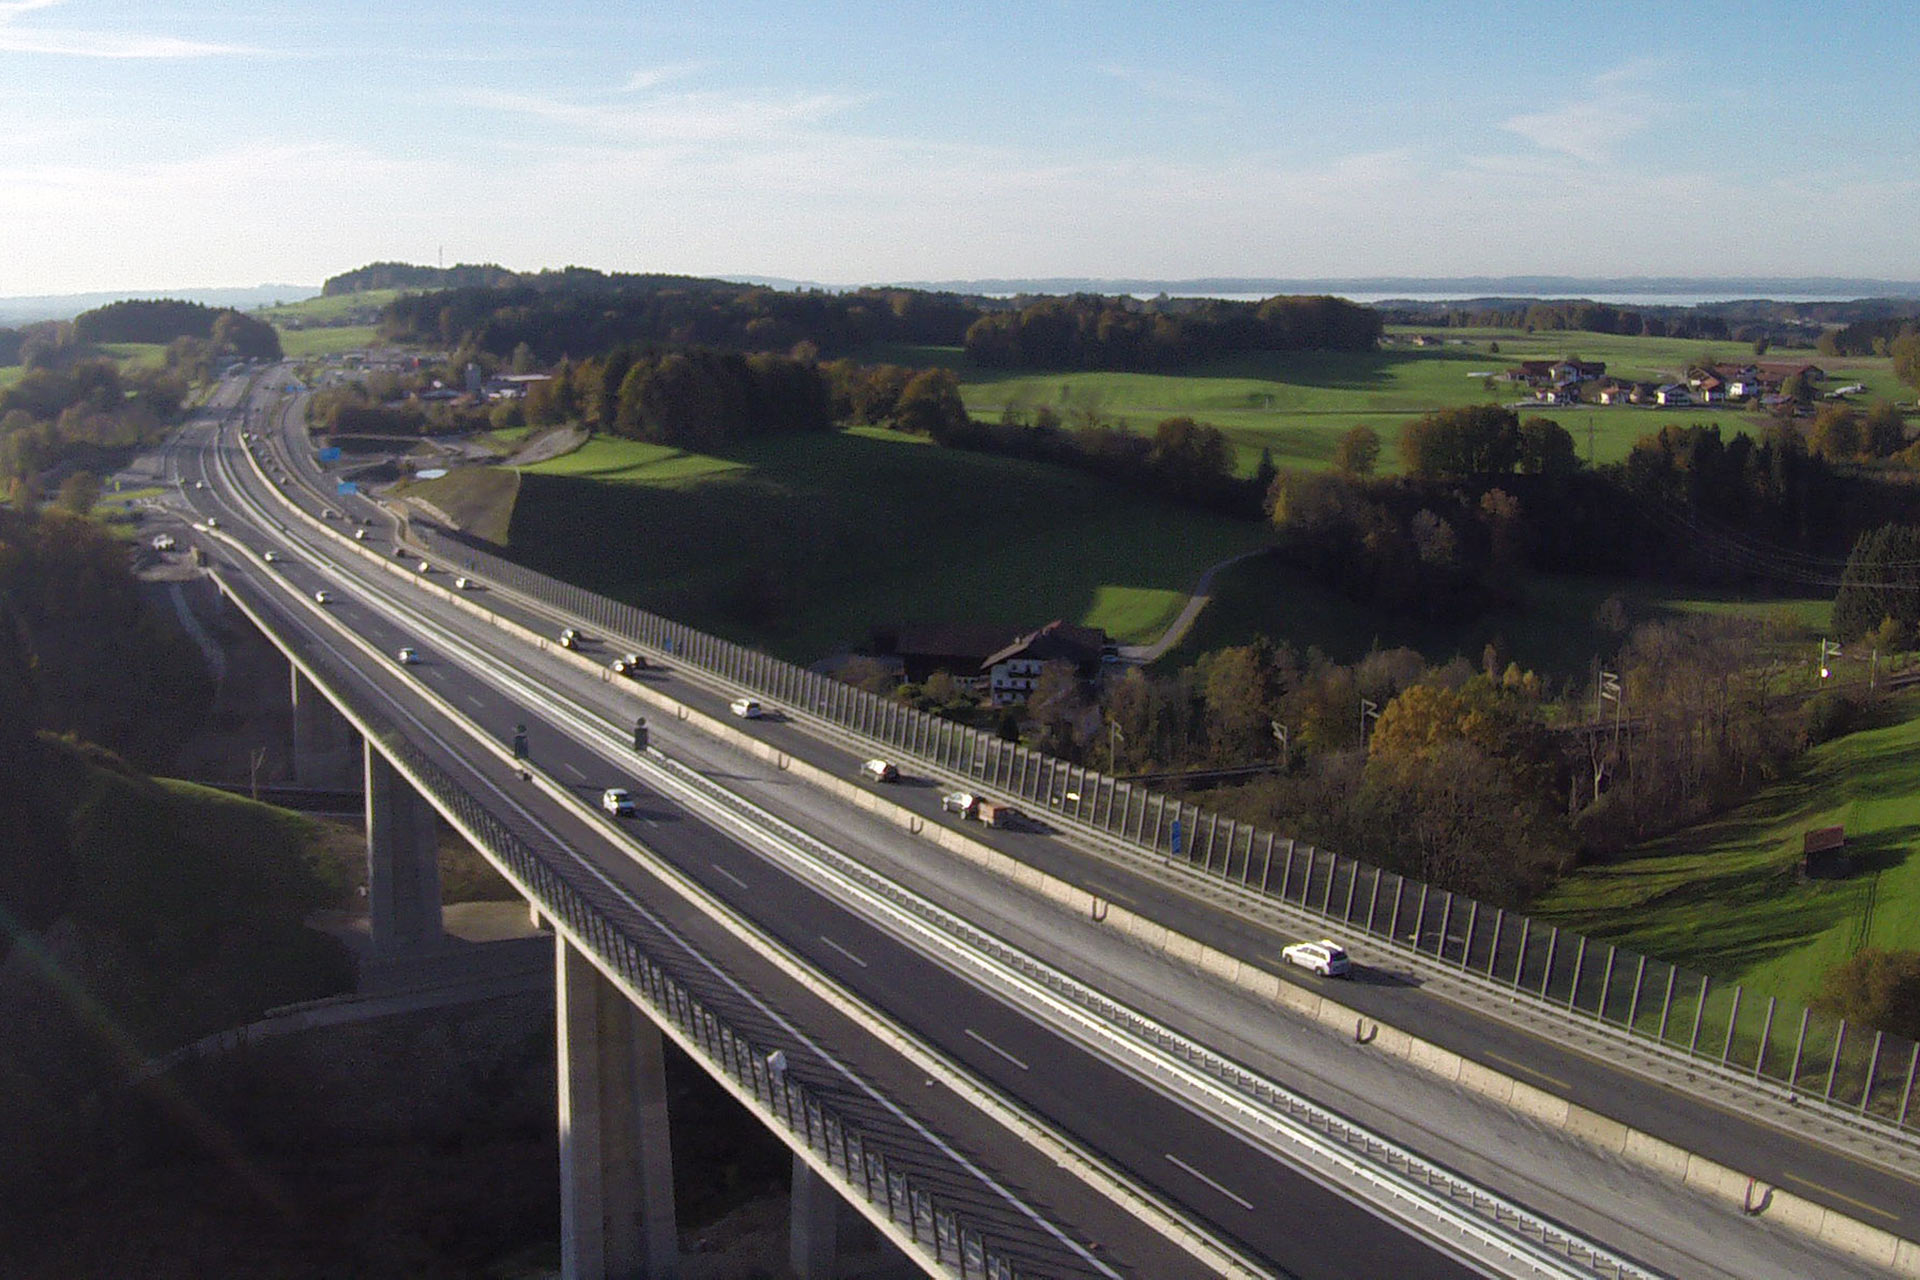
pixel 616 1165
pixel 403 862
pixel 322 738
pixel 813 1224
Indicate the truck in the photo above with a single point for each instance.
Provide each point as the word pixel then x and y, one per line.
pixel 991 812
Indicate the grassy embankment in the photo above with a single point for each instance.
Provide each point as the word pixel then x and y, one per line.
pixel 802 544
pixel 1723 897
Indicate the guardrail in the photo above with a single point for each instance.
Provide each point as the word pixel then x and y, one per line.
pixel 1862 1077
pixel 727 1033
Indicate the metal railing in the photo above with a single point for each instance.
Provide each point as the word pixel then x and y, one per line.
pixel 1859 1075
pixel 734 1037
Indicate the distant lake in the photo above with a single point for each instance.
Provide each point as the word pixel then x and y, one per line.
pixel 1612 299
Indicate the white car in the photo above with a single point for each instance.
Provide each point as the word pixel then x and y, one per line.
pixel 569 638
pixel 323 597
pixel 213 522
pixel 460 584
pixel 1325 957
pixel 359 535
pixel 423 567
pixel 627 664
pixel 270 556
pixel 163 543
pixel 617 801
pixel 747 708
pixel 409 656
pixel 880 770
pixel 960 802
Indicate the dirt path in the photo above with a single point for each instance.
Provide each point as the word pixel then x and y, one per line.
pixel 1177 630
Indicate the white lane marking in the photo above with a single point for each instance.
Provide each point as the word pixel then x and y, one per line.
pixel 474 702
pixel 1244 1204
pixel 573 770
pixel 843 951
pixel 729 875
pixel 997 1049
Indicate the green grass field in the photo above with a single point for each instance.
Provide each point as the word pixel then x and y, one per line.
pixel 802 544
pixel 322 310
pixel 1723 898
pixel 1554 631
pixel 1297 405
pixel 137 355
pixel 305 344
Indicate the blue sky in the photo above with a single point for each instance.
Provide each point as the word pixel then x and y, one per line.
pixel 228 142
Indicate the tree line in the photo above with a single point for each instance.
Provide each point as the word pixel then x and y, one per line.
pixel 1092 332
pixel 162 320
pixel 81 414
pixel 582 313
pixel 697 398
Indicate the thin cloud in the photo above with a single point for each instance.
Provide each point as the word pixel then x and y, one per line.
pixel 1590 130
pixel 73 43
pixel 681 117
pixel 1155 84
pixel 1586 131
pixel 653 77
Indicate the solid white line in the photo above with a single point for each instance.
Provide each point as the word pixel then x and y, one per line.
pixel 843 951
pixel 1244 1204
pixel 729 875
pixel 997 1049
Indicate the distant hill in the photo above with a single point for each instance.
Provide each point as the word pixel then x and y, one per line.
pixel 65 306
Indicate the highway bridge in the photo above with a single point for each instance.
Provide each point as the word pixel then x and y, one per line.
pixel 1061 1051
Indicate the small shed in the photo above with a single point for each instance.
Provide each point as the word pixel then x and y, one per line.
pixel 1823 853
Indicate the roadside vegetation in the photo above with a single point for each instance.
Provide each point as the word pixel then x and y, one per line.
pixel 1464 582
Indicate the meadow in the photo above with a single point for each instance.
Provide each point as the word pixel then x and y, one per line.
pixel 1722 897
pixel 1553 630
pixel 305 344
pixel 1298 405
pixel 803 544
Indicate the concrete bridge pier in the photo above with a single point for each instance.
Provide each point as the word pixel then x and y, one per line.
pixel 403 862
pixel 617 1217
pixel 814 1223
pixel 323 741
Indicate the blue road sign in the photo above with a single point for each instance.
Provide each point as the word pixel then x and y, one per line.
pixel 330 454
pixel 346 486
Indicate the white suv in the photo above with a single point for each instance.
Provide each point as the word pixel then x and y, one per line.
pixel 747 708
pixel 1325 957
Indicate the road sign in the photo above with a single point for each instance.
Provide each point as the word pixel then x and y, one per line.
pixel 1176 835
pixel 330 454
pixel 346 486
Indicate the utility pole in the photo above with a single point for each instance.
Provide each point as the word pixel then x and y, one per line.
pixel 1829 650
pixel 1280 736
pixel 255 758
pixel 1369 710
pixel 1113 757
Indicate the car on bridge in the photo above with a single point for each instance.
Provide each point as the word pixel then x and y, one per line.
pixel 423 567
pixel 408 656
pixel 459 584
pixel 359 535
pixel 569 638
pixel 323 597
pixel 1325 957
pixel 163 543
pixel 270 556
pixel 628 664
pixel 617 801
pixel 880 770
pixel 747 708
